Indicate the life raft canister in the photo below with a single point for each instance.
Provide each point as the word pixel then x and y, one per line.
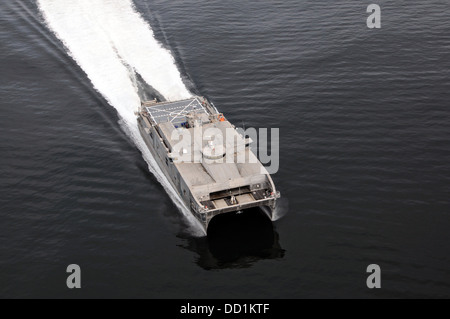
pixel 221 118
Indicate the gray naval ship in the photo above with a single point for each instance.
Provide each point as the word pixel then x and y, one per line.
pixel 206 169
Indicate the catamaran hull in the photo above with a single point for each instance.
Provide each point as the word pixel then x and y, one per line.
pixel 268 204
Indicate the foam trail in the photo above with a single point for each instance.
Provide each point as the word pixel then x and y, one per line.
pixel 107 38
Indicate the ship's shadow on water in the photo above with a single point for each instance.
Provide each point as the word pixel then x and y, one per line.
pixel 236 241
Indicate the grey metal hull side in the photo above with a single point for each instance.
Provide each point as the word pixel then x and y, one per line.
pixel 186 198
pixel 159 161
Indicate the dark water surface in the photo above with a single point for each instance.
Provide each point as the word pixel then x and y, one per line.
pixel 364 156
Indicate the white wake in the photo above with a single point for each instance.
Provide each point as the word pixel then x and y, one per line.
pixel 107 38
